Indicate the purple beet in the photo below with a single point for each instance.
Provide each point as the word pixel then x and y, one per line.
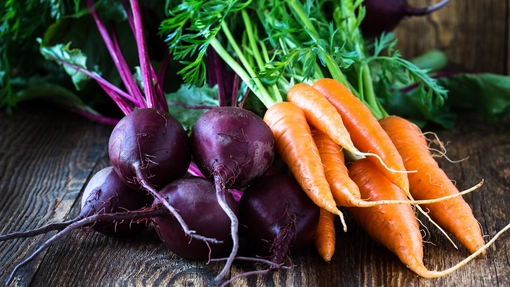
pixel 108 206
pixel 195 198
pixel 149 148
pixel 277 216
pixel 107 193
pixel 384 15
pixel 233 143
pixel 234 146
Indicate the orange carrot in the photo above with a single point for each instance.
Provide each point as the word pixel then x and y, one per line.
pixel 395 226
pixel 344 190
pixel 294 143
pixel 322 115
pixel 366 133
pixel 430 181
pixel 325 238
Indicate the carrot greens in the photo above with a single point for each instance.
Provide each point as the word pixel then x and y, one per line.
pixel 279 43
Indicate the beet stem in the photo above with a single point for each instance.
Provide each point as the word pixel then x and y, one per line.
pixel 92 116
pixel 119 216
pixel 147 186
pixel 234 224
pixel 414 11
pixel 45 229
pixel 160 99
pixel 235 90
pixel 117 57
pixel 143 56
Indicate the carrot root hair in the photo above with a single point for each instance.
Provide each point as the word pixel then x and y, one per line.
pixel 424 272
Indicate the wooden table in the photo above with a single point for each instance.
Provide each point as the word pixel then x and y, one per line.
pixel 46 158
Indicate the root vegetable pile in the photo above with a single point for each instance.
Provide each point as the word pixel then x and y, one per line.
pixel 303 144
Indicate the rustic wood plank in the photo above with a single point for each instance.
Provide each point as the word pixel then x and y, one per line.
pixel 474 36
pixel 45 158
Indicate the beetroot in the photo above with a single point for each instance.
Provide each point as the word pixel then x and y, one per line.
pixel 233 143
pixel 384 15
pixel 149 145
pixel 195 198
pixel 107 193
pixel 148 149
pixel 234 146
pixel 277 216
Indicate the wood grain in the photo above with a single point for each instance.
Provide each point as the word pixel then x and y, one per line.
pixel 474 36
pixel 45 160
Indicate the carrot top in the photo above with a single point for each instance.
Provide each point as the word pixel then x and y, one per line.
pixel 280 43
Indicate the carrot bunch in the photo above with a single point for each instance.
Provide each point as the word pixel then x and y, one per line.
pixel 313 129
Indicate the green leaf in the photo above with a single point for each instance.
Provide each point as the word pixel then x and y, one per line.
pixel 185 103
pixel 63 53
pixel 191 28
pixel 488 94
pixel 50 92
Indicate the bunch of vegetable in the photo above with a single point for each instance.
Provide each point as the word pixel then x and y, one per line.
pixel 306 88
pixel 313 72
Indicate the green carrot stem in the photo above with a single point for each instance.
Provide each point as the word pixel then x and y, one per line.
pixel 258 89
pixel 368 92
pixel 252 41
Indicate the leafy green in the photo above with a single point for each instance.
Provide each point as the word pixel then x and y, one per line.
pixel 64 53
pixel 486 93
pixel 51 92
pixel 21 23
pixel 189 102
pixel 278 43
pixel 204 18
pixel 411 106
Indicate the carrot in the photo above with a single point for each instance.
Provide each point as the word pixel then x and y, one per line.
pixel 344 190
pixel 321 114
pixel 395 226
pixel 365 131
pixel 325 238
pixel 368 135
pixel 430 181
pixel 294 143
